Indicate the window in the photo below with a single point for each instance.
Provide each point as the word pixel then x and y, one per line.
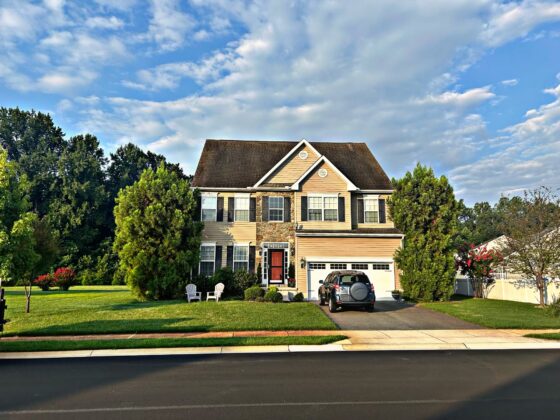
pixel 207 259
pixel 380 267
pixel 242 208
pixel 359 266
pixel 241 257
pixel 331 209
pixel 209 205
pixel 322 208
pixel 276 209
pixel 315 266
pixel 338 266
pixel 371 210
pixel 349 280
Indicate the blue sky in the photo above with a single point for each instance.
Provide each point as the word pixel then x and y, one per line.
pixel 470 87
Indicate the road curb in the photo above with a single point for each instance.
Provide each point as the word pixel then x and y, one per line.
pixel 194 351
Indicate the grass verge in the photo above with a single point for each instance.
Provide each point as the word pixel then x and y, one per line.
pixel 58 345
pixel 547 336
pixel 497 313
pixel 113 309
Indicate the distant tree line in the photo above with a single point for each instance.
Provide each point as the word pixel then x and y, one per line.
pixel 71 190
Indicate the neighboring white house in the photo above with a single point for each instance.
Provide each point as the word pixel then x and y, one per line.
pixel 509 285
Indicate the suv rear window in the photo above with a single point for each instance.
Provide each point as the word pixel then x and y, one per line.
pixel 348 280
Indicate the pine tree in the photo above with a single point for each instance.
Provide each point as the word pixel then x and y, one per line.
pixel 424 208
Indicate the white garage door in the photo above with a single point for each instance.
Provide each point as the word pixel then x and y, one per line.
pixel 381 274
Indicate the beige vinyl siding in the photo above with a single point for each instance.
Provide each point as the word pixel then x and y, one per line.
pixel 331 184
pixel 293 168
pixel 334 247
pixel 357 225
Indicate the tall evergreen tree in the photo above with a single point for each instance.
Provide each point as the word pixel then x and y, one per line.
pixel 424 208
pixel 157 237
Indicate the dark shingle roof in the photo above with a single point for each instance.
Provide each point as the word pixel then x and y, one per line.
pixel 241 163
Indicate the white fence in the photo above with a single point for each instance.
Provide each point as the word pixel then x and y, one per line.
pixel 516 289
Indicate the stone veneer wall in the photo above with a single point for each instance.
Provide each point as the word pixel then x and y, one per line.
pixel 275 231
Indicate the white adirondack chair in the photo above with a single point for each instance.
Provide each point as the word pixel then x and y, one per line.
pixel 217 293
pixel 192 294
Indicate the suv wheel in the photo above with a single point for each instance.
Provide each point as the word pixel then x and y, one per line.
pixel 332 306
pixel 321 299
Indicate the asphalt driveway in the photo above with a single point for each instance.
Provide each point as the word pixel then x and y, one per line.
pixel 391 315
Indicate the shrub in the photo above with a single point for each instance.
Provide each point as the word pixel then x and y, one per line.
pixel 224 275
pixel 273 295
pixel 298 297
pixel 44 281
pixel 254 292
pixel 64 277
pixel 243 280
pixel 553 309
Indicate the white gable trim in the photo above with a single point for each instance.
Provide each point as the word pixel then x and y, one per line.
pixel 323 159
pixel 285 158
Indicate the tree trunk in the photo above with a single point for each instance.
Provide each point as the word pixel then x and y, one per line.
pixel 540 286
pixel 27 299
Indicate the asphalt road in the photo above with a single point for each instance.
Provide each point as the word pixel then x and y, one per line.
pixel 392 315
pixel 467 384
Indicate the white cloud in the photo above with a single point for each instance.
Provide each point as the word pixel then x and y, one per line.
pixel 512 20
pixel 101 22
pixel 169 25
pixel 510 82
pixel 65 81
pixel 529 159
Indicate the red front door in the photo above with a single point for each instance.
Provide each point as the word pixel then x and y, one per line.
pixel 276 274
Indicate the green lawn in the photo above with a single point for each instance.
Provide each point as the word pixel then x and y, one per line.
pixel 133 343
pixel 497 313
pixel 548 336
pixel 112 309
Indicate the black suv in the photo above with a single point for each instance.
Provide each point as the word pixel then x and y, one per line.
pixel 347 288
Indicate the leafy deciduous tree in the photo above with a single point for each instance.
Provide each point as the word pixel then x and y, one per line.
pixel 532 229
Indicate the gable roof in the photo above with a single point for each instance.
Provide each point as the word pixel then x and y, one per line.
pixel 242 163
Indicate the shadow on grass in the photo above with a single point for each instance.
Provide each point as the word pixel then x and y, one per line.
pixel 118 326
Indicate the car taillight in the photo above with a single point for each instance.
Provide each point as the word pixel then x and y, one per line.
pixel 336 287
pixel 372 288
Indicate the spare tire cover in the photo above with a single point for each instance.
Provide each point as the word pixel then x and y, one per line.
pixel 359 291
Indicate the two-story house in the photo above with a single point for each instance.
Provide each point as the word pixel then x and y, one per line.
pixel 298 209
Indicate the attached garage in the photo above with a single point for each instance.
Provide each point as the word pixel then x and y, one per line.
pixel 380 272
pixel 321 252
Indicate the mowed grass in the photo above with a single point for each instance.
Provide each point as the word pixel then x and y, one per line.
pixel 53 345
pixel 548 336
pixel 113 309
pixel 497 313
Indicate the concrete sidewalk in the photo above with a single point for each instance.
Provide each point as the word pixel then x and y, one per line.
pixel 378 340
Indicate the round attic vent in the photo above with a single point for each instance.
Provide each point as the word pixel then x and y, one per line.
pixel 323 173
pixel 303 155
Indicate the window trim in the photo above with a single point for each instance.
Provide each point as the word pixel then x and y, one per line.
pixel 371 198
pixel 208 195
pixel 322 196
pixel 213 261
pixel 241 245
pixel 276 208
pixel 236 207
